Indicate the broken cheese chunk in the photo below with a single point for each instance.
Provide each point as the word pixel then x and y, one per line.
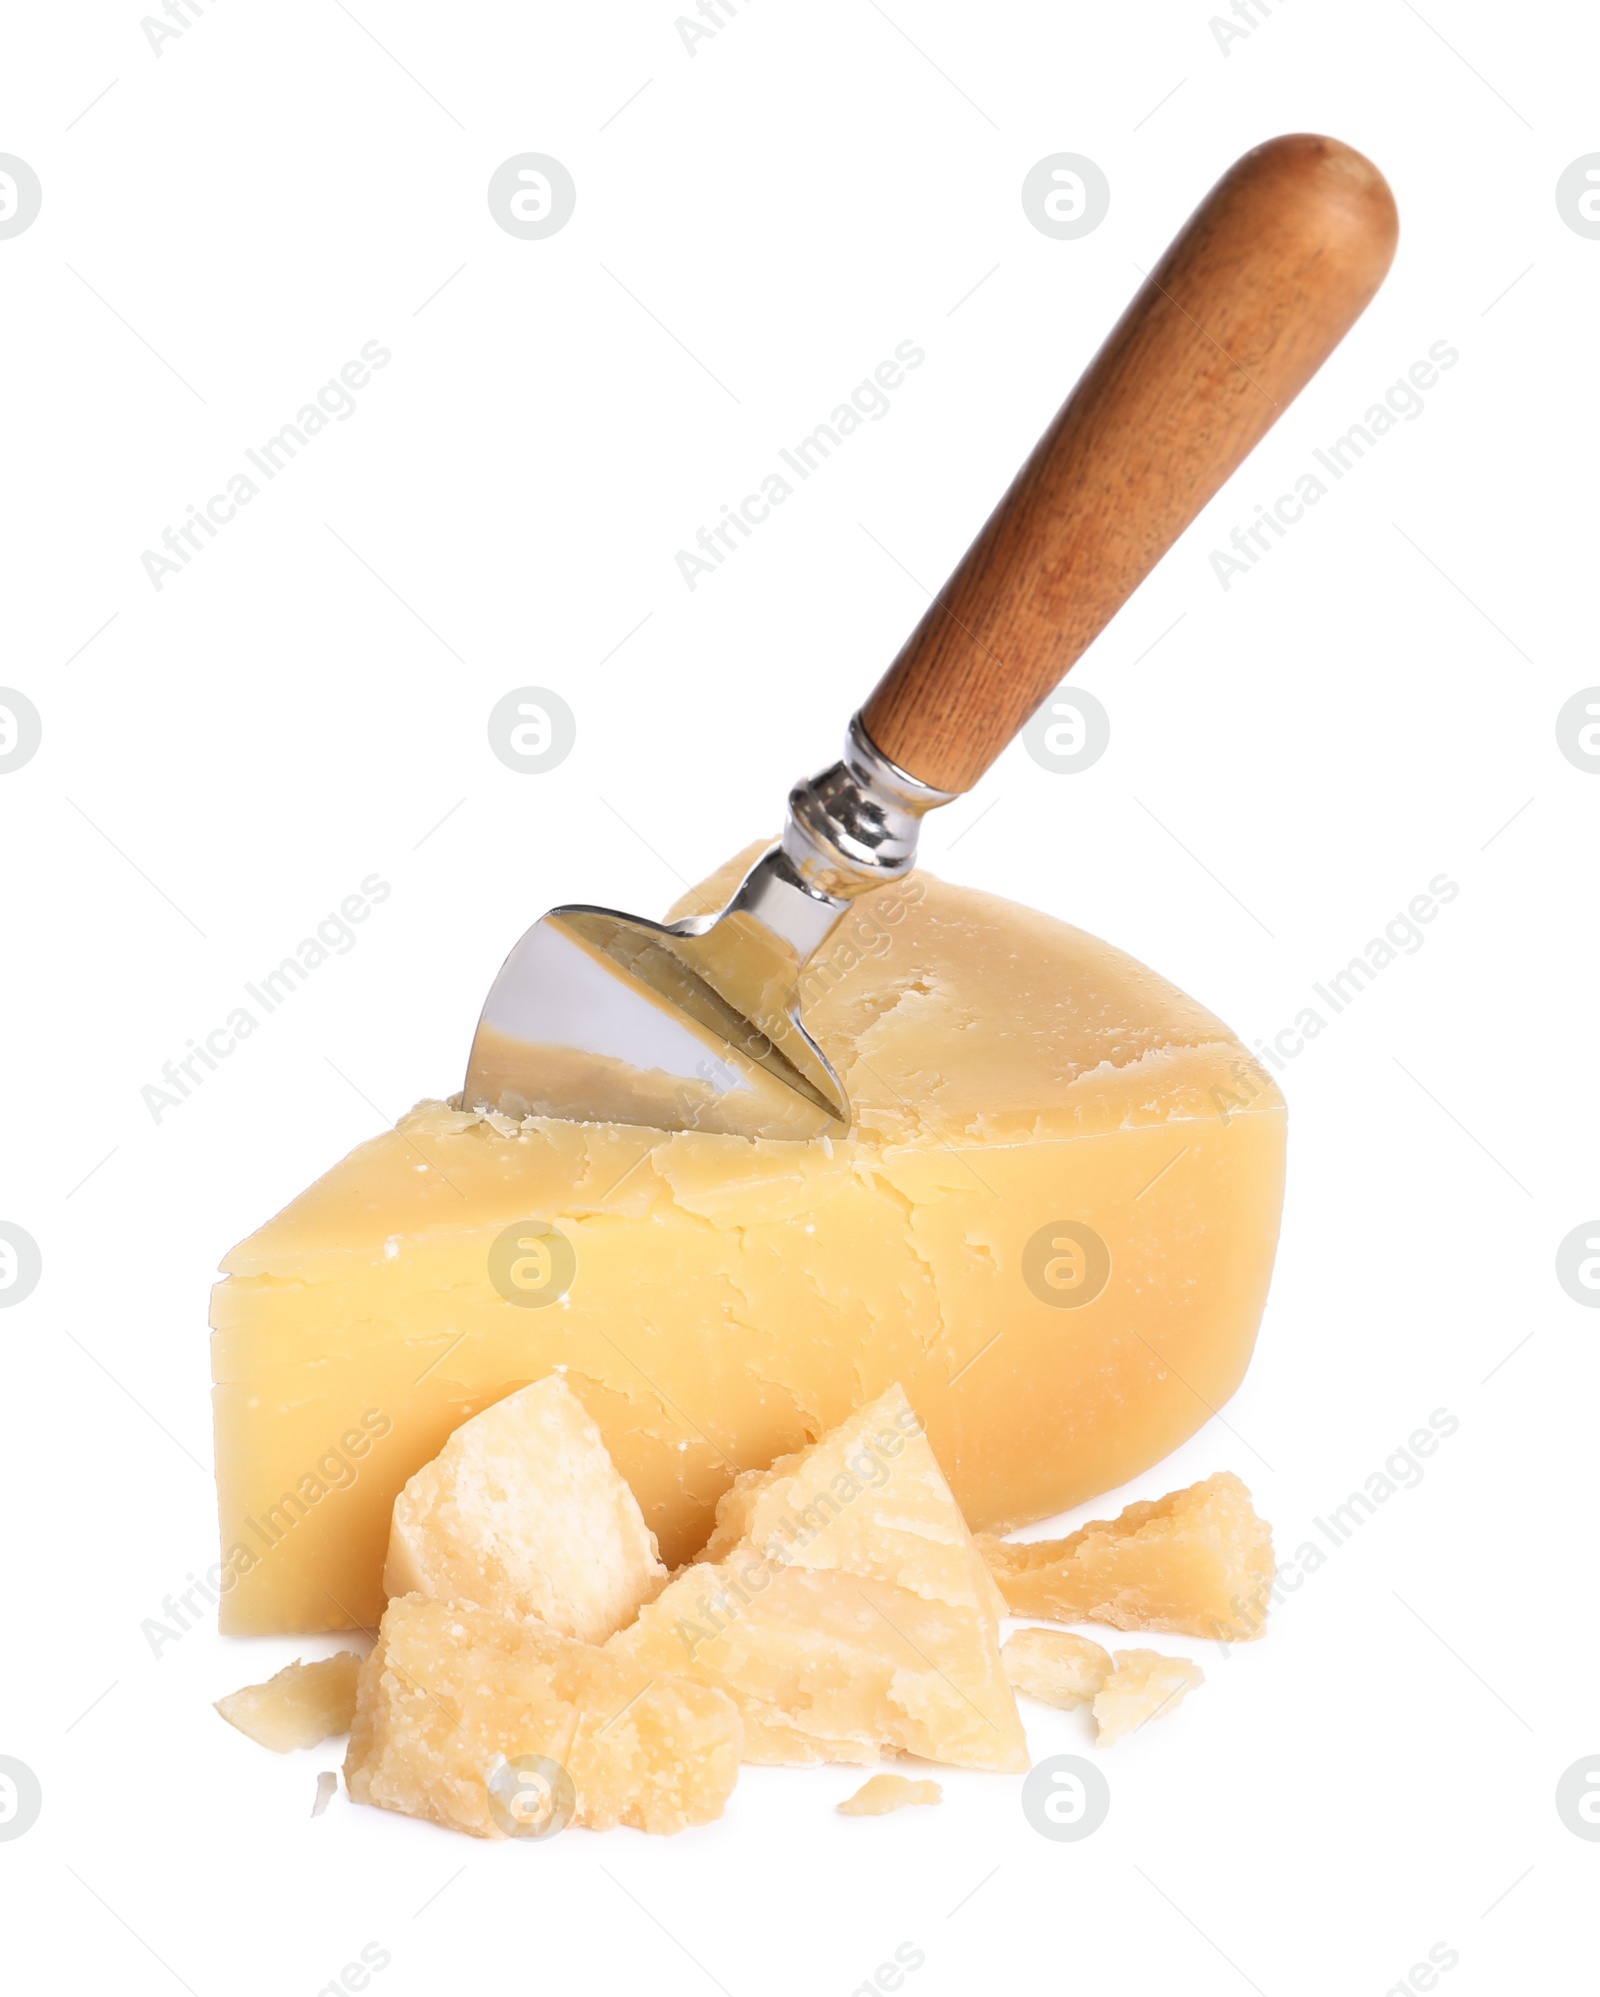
pixel 299 1705
pixel 843 1604
pixel 453 1696
pixel 1198 1562
pixel 1143 1685
pixel 880 1794
pixel 1055 1667
pixel 730 1298
pixel 522 1511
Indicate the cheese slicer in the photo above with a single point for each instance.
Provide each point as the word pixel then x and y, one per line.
pixel 698 1024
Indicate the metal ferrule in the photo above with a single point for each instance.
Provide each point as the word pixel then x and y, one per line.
pixel 854 825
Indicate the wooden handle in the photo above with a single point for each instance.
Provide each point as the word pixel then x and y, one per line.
pixel 1262 283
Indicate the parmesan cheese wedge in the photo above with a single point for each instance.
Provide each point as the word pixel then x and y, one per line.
pixel 1052 1220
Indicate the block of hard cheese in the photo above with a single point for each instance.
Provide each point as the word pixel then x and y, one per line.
pixel 1021 1092
pixel 522 1511
pixel 843 1606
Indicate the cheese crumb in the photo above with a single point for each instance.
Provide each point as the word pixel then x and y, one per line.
pixel 299 1706
pixel 1143 1685
pixel 1056 1667
pixel 1198 1562
pixel 880 1794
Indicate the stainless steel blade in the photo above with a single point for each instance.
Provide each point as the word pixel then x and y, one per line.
pixel 696 1025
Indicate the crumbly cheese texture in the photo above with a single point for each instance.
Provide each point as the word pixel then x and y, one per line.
pixel 733 1299
pixel 1198 1561
pixel 1055 1667
pixel 299 1706
pixel 523 1512
pixel 880 1794
pixel 842 1603
pixel 453 1694
pixel 1143 1686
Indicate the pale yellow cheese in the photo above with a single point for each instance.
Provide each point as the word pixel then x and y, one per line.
pixel 880 1794
pixel 734 1299
pixel 454 1698
pixel 298 1706
pixel 842 1603
pixel 1055 1667
pixel 523 1512
pixel 1143 1685
pixel 1198 1561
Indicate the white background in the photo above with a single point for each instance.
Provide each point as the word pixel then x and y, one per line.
pixel 1291 761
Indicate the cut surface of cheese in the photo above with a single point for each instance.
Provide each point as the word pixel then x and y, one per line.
pixel 1053 1219
pixel 842 1603
pixel 1198 1561
pixel 457 1704
pixel 1143 1685
pixel 1055 1666
pixel 523 1512
pixel 299 1705
pixel 880 1794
